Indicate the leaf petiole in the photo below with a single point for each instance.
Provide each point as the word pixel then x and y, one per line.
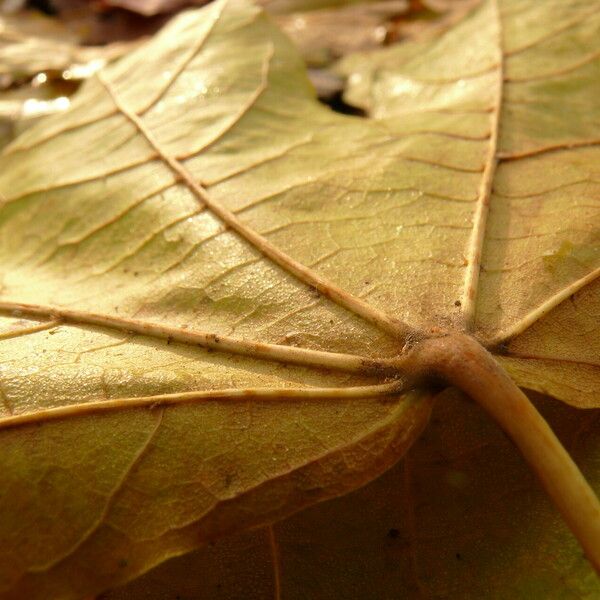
pixel 466 364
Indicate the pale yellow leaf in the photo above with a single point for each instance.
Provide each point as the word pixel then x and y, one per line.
pixel 235 270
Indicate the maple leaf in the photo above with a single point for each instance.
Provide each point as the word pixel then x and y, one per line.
pixel 235 288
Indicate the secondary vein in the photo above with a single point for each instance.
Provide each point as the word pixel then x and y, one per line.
pixel 164 400
pixel 349 363
pixel 543 309
pixel 260 243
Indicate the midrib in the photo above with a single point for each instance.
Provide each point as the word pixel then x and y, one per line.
pixel 477 239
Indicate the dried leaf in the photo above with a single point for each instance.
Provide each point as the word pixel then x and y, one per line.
pixel 201 199
pixel 41 65
pixel 283 7
pixel 328 34
pixel 150 8
pixel 32 44
pixel 539 294
pixel 461 517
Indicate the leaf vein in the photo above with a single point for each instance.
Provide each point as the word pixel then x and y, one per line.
pixel 301 272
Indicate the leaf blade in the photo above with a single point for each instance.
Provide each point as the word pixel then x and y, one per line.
pixel 387 218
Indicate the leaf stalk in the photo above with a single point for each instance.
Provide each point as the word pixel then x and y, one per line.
pixel 466 364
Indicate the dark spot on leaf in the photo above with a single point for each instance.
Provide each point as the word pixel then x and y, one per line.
pixel 458 556
pixel 393 533
pixel 122 563
pixel 457 303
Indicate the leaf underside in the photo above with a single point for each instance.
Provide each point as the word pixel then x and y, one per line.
pixel 458 517
pixel 196 197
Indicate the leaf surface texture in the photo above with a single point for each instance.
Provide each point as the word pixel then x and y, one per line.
pixel 197 223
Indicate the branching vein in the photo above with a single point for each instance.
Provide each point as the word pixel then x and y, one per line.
pixel 543 309
pixel 286 262
pixel 163 400
pixel 286 354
